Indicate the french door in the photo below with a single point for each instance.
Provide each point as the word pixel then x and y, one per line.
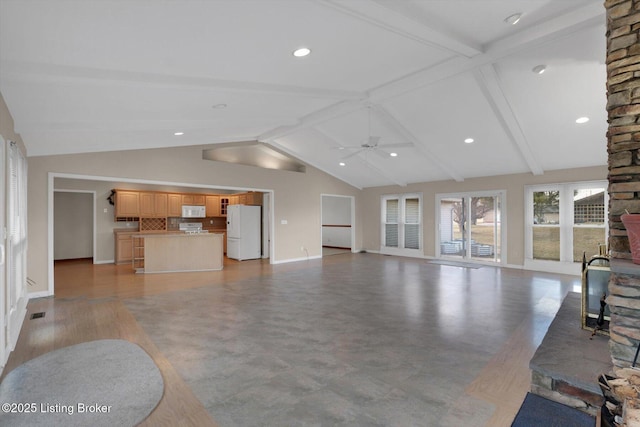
pixel 470 226
pixel 401 232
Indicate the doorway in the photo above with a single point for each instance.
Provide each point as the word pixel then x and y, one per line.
pixel 337 224
pixel 470 226
pixel 73 225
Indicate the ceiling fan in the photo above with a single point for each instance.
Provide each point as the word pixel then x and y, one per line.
pixel 372 144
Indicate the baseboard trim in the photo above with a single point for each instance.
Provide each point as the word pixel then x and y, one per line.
pixel 284 261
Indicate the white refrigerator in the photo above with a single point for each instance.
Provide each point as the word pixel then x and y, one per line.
pixel 243 232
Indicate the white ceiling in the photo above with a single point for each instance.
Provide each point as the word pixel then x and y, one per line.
pixel 88 75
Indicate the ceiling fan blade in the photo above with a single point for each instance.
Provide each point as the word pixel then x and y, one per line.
pixel 352 154
pixel 348 147
pixel 382 153
pixel 399 145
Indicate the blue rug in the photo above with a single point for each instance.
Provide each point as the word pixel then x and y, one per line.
pixel 537 411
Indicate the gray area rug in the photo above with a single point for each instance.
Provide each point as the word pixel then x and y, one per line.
pixel 97 383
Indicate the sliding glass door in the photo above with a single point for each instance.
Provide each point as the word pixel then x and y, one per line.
pixel 470 226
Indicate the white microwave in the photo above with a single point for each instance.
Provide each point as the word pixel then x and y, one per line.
pixel 193 211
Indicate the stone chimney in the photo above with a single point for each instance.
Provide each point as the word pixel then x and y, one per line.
pixel 623 144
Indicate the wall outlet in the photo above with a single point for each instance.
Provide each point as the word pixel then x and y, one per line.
pixel 302 248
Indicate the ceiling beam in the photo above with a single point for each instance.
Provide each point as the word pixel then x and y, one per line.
pixel 317 117
pixel 284 149
pixel 559 26
pixel 27 71
pixel 389 18
pixel 386 117
pixel 491 87
pixel 552 29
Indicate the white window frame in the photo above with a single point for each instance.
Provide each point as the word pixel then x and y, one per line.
pixel 15 303
pixel 400 250
pixel 566 265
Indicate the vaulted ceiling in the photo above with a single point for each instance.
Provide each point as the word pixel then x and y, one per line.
pixel 88 76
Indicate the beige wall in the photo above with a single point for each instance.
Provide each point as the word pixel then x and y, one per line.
pixel 296 198
pixel 513 184
pixel 73 225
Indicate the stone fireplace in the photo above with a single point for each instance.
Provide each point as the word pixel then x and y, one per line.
pixel 623 145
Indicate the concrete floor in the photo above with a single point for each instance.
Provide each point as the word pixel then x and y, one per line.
pixel 374 340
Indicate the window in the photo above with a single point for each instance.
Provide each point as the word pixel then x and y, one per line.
pixel 16 243
pixel 402 224
pixel 565 221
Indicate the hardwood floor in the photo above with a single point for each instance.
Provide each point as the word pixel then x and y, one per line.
pixel 88 305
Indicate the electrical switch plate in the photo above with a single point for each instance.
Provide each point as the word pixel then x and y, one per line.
pixel 283 221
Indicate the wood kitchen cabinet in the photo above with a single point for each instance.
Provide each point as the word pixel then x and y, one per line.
pixel 212 204
pixel 174 205
pixel 124 246
pixel 253 198
pixel 127 204
pixel 224 202
pixel 153 204
pixel 193 199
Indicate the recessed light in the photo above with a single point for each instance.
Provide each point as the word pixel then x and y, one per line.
pixel 218 106
pixel 582 120
pixel 468 140
pixel 342 163
pixel 393 154
pixel 303 51
pixel 178 133
pixel 539 69
pixel 513 19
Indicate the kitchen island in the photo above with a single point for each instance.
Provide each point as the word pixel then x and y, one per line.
pixel 175 252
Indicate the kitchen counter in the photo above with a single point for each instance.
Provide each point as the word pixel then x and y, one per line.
pixel 173 252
